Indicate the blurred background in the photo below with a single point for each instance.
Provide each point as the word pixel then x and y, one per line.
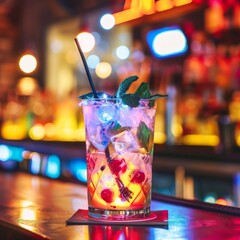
pixel 189 49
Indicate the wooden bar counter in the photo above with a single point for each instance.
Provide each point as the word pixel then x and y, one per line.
pixel 34 207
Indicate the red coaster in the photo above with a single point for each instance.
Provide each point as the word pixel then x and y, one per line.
pixel 155 218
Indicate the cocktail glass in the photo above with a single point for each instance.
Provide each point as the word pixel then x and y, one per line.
pixel 119 154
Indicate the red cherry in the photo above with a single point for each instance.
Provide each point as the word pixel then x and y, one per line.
pixel 107 195
pixel 118 166
pixel 138 176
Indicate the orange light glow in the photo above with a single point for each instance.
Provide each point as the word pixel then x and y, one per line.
pixel 198 139
pixel 126 15
pixel 147 6
pixel 37 132
pixel 14 130
pixel 159 137
pixel 134 9
pixel 182 2
pixel 221 201
pixel 127 4
pixel 26 86
pixel 103 70
pixel 163 5
pixel 238 140
pixel 131 4
pixel 50 130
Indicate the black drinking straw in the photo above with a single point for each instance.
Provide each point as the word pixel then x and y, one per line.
pixel 86 68
pixel 123 190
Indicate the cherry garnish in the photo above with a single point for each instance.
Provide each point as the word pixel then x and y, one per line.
pixel 107 195
pixel 118 166
pixel 138 176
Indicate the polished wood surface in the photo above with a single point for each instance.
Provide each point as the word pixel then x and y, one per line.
pixel 33 207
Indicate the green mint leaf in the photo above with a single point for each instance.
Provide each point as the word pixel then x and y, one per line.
pixel 115 126
pixel 156 96
pixel 143 90
pixel 131 100
pixel 124 86
pixel 144 135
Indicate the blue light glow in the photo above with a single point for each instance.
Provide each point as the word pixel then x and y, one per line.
pixel 11 153
pixel 35 163
pixel 106 113
pixel 17 153
pixel 167 42
pixel 92 61
pixel 5 153
pixel 82 174
pixel 78 168
pixel 53 166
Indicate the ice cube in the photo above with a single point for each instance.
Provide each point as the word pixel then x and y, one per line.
pixel 148 116
pixel 133 117
pixel 106 113
pixel 98 137
pixel 127 117
pixel 125 141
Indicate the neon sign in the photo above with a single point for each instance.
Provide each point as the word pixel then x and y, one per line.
pixel 134 9
pixel 167 42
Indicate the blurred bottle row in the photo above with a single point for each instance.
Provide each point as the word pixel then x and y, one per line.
pixel 202 108
pixel 41 116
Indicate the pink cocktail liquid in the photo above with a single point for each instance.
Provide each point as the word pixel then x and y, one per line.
pixel 119 148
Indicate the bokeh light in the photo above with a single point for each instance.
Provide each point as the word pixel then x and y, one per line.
pixel 28 63
pixel 103 70
pixel 107 21
pixel 53 166
pixel 35 163
pixel 26 86
pixel 221 201
pixel 56 46
pixel 167 42
pixel 5 153
pixel 209 198
pixel 92 61
pixel 86 41
pixel 78 168
pixel 50 130
pixel 37 132
pixel 122 52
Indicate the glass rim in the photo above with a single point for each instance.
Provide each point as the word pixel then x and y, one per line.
pixel 113 99
pixel 149 103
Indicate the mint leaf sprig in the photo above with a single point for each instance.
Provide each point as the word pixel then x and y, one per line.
pixel 129 99
pixel 145 136
pixel 125 85
pixel 142 92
